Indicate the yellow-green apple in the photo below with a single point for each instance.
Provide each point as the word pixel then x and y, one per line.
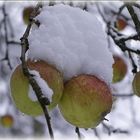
pixel 136 84
pixel 20 86
pixel 7 120
pixel 85 101
pixel 26 14
pixel 119 69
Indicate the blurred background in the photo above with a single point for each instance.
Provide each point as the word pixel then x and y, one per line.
pixel 124 119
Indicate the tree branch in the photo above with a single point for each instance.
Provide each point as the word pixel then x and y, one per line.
pixel 111 130
pixel 6 36
pixel 133 62
pixel 78 133
pixel 32 81
pixel 123 95
pixel 134 17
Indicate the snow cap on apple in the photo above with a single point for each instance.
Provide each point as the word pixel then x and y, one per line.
pixel 73 41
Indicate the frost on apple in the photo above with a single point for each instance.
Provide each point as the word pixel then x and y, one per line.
pixel 73 41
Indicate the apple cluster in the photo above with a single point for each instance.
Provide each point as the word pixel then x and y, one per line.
pixel 84 100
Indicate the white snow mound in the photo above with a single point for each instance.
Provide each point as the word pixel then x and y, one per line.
pixel 72 40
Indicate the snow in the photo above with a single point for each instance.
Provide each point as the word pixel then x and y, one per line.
pixel 73 40
pixel 47 92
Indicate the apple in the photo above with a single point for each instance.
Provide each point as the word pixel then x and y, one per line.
pixel 7 120
pixel 119 69
pixel 20 86
pixel 85 101
pixel 121 24
pixel 26 14
pixel 136 84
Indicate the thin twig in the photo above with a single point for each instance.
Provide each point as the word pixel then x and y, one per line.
pixel 134 17
pixel 100 12
pixel 96 132
pixel 78 133
pixel 6 36
pixel 14 42
pixel 121 42
pixel 32 81
pixel 110 129
pixel 123 95
pixel 136 4
pixel 133 63
pixel 10 27
pixel 132 37
pixel 120 10
pixel 107 128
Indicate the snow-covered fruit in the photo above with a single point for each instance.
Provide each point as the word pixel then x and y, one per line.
pixel 20 87
pixel 136 84
pixel 7 120
pixel 26 14
pixel 85 101
pixel 80 39
pixel 119 69
pixel 121 24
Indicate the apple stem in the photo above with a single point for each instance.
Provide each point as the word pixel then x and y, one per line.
pixel 32 81
pixel 78 133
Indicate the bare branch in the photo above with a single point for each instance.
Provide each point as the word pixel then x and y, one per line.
pixel 32 81
pixel 133 63
pixel 14 42
pixel 111 130
pixel 96 132
pixel 78 133
pixel 134 17
pixel 6 36
pixel 123 95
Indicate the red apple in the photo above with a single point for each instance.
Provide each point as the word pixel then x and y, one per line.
pixel 85 101
pixel 121 24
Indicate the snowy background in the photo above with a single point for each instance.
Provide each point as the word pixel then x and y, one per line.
pixel 125 115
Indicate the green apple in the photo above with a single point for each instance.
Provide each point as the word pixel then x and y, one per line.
pixel 119 69
pixel 136 84
pixel 20 87
pixel 85 101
